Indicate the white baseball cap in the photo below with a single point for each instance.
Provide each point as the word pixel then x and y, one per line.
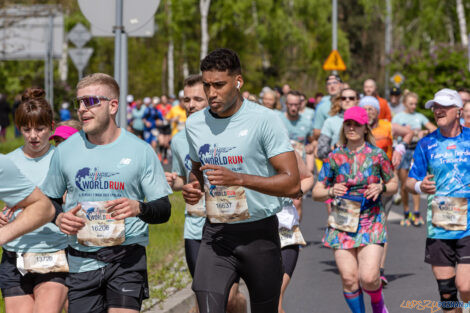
pixel 445 97
pixel 147 100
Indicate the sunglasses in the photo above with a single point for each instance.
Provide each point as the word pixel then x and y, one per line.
pixel 348 98
pixel 89 101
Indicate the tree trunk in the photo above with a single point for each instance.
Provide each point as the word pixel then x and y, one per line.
pixel 204 8
pixel 462 23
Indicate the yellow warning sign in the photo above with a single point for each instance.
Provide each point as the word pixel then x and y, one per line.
pixel 334 62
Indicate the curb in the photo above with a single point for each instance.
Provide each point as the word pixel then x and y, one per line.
pixel 179 302
pixel 183 300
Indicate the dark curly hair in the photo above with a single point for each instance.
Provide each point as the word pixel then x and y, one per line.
pixel 222 60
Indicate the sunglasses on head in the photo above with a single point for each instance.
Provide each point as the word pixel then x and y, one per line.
pixel 348 98
pixel 89 101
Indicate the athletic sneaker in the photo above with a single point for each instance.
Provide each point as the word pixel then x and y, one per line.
pixel 397 198
pixel 406 221
pixel 384 280
pixel 417 220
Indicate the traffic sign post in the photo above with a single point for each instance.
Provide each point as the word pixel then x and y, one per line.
pixel 79 35
pixel 334 62
pixel 80 57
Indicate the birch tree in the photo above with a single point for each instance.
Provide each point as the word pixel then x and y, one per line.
pixel 204 8
pixel 462 23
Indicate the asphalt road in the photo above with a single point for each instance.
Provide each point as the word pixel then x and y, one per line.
pixel 316 285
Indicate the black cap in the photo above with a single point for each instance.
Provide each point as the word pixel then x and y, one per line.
pixel 395 91
pixel 336 76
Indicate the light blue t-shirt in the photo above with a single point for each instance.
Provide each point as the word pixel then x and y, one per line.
pixel 309 113
pixel 137 116
pixel 298 130
pixel 47 238
pixel 14 186
pixel 448 159
pixel 321 112
pixel 181 164
pixel 126 168
pixel 243 143
pixel 332 128
pixel 415 120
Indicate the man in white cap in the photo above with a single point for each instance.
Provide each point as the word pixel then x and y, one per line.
pixel 441 169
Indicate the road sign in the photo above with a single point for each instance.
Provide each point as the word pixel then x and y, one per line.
pixel 334 62
pixel 397 79
pixel 79 35
pixel 138 16
pixel 80 57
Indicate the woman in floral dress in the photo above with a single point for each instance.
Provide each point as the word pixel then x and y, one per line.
pixel 356 174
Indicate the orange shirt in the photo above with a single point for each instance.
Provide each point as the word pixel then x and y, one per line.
pixel 385 113
pixel 383 137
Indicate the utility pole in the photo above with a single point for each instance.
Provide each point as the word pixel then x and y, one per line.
pixel 334 41
pixel 388 47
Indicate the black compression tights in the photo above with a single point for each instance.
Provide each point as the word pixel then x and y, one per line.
pixel 248 250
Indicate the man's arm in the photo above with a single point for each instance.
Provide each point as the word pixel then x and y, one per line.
pixel 37 211
pixel 286 183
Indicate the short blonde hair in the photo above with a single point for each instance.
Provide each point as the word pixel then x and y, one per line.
pixel 368 137
pixel 72 123
pixel 100 79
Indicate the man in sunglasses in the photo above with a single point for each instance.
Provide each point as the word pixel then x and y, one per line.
pixel 441 170
pixel 108 174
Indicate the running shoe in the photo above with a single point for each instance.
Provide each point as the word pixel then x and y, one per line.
pixel 405 222
pixel 384 280
pixel 397 198
pixel 417 221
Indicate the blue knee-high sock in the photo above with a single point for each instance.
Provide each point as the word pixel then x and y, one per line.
pixel 355 301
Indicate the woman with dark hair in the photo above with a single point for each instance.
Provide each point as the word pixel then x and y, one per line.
pixel 355 175
pixel 34 266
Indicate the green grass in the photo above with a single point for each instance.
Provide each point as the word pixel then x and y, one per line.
pixel 12 143
pixel 165 254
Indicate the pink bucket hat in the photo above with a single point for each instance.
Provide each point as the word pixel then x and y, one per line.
pixel 357 114
pixel 63 131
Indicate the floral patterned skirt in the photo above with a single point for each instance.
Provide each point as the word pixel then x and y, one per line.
pixel 371 230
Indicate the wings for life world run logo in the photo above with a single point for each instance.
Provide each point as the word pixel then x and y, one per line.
pixel 218 155
pixel 88 179
pixel 187 162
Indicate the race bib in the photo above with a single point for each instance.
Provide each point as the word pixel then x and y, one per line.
pixel 100 229
pixel 47 262
pixel 344 214
pixel 198 209
pixel 298 147
pixel 226 204
pixel 449 213
pixel 291 237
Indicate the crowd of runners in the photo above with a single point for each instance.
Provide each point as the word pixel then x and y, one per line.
pixel 75 225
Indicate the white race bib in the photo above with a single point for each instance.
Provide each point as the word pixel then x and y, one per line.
pixel 226 204
pixel 449 213
pixel 46 262
pixel 298 147
pixel 291 237
pixel 344 215
pixel 100 229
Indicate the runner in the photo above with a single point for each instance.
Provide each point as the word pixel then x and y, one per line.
pixel 370 89
pixel 466 114
pixel 289 231
pixel 247 161
pixel 299 130
pixel 105 216
pixel 395 104
pixel 177 117
pixel 333 86
pixel 194 100
pixel 151 120
pixel 64 130
pixel 416 121
pixel 164 130
pixel 269 100
pixel 356 175
pixel 28 284
pixel 440 170
pixel 331 129
pixel 18 192
pixel 383 131
pixel 137 124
